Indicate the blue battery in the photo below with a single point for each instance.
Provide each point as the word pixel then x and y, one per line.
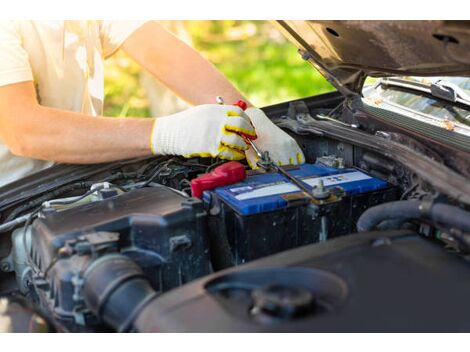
pixel 265 192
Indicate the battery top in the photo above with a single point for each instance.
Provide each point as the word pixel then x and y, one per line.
pixel 264 192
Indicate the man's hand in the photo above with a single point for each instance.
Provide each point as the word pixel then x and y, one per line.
pixel 283 149
pixel 206 130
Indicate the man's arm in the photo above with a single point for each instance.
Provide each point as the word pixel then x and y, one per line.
pixel 35 131
pixel 178 66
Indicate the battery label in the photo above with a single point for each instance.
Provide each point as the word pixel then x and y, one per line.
pixel 334 180
pixel 251 192
pixel 264 191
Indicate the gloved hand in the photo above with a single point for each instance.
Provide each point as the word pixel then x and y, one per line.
pixel 205 131
pixel 282 148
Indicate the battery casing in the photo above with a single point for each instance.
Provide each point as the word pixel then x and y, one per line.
pixel 266 213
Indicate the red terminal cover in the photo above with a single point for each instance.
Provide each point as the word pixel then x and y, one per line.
pixel 222 175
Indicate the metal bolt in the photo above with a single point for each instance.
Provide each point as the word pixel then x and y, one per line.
pixel 5 267
pixel 265 162
pixel 320 192
pixel 219 100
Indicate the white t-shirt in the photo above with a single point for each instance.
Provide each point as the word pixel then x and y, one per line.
pixel 65 59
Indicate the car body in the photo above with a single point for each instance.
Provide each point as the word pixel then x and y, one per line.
pixel 378 242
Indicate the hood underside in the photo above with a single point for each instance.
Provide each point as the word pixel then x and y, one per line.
pixel 346 52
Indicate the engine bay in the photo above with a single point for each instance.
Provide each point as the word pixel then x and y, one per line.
pixel 90 254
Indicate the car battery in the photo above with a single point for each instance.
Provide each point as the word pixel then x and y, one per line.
pixel 266 213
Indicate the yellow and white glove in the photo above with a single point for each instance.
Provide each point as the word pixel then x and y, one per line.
pixel 282 148
pixel 205 130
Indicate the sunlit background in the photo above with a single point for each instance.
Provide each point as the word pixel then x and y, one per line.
pixel 254 56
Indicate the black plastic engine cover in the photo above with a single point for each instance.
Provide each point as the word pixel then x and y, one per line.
pixel 393 281
pixel 162 231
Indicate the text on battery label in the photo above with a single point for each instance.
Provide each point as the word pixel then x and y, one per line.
pixel 248 192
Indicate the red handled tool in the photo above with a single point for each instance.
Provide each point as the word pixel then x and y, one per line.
pixel 242 105
pixel 248 139
pixel 234 171
pixel 222 175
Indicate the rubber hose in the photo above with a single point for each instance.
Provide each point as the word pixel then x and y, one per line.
pixel 116 290
pixel 438 213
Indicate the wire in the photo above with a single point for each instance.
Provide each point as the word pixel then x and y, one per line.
pixel 409 190
pixel 57 192
pixel 76 186
pixel 335 108
pixel 84 195
pixel 51 264
pixel 155 173
pixel 214 165
pixel 7 226
pixel 31 263
pixel 164 165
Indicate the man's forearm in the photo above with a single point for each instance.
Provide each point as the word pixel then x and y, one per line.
pixel 31 130
pixel 179 66
pixel 62 136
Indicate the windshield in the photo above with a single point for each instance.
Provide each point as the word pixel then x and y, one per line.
pixel 449 113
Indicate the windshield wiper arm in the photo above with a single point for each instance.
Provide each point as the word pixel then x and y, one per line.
pixel 448 91
pixel 440 89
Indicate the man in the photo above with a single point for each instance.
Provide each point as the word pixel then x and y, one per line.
pixel 51 98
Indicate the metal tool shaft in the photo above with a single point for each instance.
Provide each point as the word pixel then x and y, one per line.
pixel 258 151
pixel 294 180
pixel 266 162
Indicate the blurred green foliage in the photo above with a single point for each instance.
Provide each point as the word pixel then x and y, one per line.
pixel 253 55
pixel 123 94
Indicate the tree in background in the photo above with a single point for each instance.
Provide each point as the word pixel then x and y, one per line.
pixel 162 101
pixel 254 55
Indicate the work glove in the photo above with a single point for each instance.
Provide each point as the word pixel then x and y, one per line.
pixel 205 131
pixel 282 148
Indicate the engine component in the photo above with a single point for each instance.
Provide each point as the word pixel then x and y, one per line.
pixel 266 214
pixel 282 301
pixel 116 289
pixel 387 281
pixel 450 216
pixel 21 238
pixel 331 161
pixel 222 175
pixel 260 296
pixel 162 231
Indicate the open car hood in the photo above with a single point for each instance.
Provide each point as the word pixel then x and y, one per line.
pixel 346 52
